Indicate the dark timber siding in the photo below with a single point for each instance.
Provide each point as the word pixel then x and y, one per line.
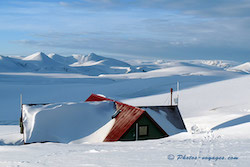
pixel 153 131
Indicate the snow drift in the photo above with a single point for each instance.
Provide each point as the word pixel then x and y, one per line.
pixel 61 59
pixel 65 122
pixel 245 67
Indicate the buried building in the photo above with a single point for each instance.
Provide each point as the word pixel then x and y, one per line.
pixel 98 119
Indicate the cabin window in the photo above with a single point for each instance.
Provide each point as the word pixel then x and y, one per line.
pixel 143 130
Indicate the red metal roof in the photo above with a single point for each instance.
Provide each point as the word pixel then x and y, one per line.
pixel 94 97
pixel 124 120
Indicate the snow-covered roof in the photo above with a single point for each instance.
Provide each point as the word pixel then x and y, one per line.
pixel 65 122
pixel 167 117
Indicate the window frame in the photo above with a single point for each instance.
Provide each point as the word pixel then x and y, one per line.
pixel 147 130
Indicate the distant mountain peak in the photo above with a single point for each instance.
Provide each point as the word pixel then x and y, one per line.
pixel 3 57
pixel 54 54
pixel 93 57
pixel 38 56
pixel 92 54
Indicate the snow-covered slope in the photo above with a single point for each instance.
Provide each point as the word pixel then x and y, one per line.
pixel 38 56
pixel 93 59
pixel 217 105
pixel 245 67
pixel 62 59
pixel 93 64
pixel 8 64
pixel 180 69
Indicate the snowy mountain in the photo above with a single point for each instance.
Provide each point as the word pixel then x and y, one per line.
pixel 40 62
pixel 95 65
pixel 8 64
pixel 217 63
pixel 93 59
pixel 39 57
pixel 91 64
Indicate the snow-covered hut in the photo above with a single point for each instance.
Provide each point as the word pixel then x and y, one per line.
pixel 98 119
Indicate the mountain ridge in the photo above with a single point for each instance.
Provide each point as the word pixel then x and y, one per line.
pixel 95 65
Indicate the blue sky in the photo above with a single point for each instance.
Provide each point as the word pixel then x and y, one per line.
pixel 183 29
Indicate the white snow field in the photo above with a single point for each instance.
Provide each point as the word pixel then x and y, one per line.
pixel 214 102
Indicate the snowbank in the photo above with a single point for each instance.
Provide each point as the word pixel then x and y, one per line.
pixel 241 68
pixel 97 136
pixel 65 122
pixel 9 135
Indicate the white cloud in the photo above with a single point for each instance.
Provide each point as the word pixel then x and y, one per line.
pixel 139 27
